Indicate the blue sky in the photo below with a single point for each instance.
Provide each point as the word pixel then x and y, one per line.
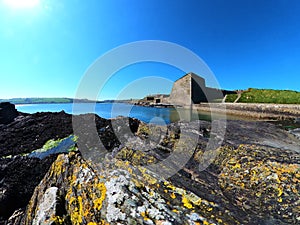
pixel 46 46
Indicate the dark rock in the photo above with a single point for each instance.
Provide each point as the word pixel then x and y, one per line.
pixel 18 178
pixel 259 133
pixel 31 131
pixel 8 113
pixel 16 218
pixel 19 175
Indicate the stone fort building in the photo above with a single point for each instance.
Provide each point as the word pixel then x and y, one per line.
pixel 191 89
pixel 187 90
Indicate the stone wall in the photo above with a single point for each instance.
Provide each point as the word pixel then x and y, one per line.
pixel 181 91
pixel 199 93
pixel 253 110
pixel 191 89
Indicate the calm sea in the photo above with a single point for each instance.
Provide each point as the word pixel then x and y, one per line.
pixel 113 110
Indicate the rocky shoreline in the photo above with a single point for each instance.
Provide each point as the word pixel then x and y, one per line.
pixel 254 177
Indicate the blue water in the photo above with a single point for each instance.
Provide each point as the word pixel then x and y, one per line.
pixel 113 110
pixel 63 146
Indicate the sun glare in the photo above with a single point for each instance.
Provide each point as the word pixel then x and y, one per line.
pixel 22 3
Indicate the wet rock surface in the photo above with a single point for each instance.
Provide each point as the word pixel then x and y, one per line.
pixel 260 133
pixel 253 176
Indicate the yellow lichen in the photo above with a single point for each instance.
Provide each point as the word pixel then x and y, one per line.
pixel 279 192
pixel 205 222
pixel 57 220
pixel 144 215
pixel 219 220
pixel 57 167
pixel 172 195
pixel 77 213
pixel 187 203
pixel 149 179
pixel 98 201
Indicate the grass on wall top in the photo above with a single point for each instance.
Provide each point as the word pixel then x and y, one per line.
pixel 253 95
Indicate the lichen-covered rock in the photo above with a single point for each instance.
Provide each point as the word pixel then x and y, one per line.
pixel 251 178
pixel 239 188
pixel 79 192
pixel 263 182
pixel 47 207
pixel 118 193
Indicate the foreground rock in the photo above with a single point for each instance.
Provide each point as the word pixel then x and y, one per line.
pixel 8 113
pixel 235 189
pixel 18 178
pixel 254 177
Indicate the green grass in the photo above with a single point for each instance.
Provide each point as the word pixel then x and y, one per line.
pixel 253 95
pixel 231 97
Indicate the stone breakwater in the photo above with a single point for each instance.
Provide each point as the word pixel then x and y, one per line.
pixel 253 110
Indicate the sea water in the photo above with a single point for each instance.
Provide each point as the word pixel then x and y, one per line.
pixel 112 110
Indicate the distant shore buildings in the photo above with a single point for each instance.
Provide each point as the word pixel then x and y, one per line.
pixel 187 90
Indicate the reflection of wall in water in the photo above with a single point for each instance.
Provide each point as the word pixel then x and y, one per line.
pixel 183 114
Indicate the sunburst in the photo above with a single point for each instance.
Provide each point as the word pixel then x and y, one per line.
pixel 22 3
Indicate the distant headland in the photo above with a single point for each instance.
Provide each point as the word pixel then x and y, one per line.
pixel 19 101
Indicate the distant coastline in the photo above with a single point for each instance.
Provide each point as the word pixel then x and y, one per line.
pixel 28 101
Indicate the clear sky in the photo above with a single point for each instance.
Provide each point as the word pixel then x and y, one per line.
pixel 47 45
